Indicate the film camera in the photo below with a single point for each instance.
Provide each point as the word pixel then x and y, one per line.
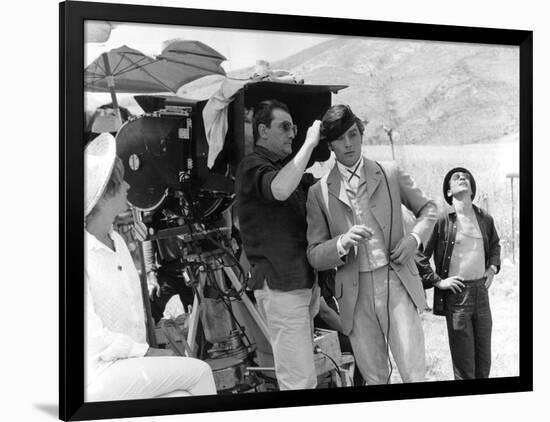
pixel 187 208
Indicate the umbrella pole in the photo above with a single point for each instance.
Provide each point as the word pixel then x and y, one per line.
pixel 111 84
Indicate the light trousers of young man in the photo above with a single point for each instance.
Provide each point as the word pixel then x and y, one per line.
pixel 152 377
pixel 373 316
pixel 289 317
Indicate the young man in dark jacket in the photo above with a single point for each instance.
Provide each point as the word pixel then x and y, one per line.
pixel 466 251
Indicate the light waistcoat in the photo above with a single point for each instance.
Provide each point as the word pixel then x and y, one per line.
pixel 371 254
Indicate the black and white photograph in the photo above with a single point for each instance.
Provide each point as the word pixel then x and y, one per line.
pixel 277 211
pixel 281 196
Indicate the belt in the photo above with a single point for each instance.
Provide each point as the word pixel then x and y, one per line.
pixel 475 280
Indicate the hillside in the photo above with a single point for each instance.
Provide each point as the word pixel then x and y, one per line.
pixel 428 92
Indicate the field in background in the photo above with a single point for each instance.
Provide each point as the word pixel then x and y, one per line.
pixel 489 164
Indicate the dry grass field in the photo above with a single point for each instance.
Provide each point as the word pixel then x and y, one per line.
pixel 489 163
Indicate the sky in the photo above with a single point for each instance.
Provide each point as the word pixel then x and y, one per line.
pixel 242 48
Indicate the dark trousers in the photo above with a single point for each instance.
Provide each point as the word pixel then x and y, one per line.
pixel 170 283
pixel 469 325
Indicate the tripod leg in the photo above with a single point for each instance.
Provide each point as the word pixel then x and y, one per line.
pixel 193 324
pixel 247 302
pixel 173 335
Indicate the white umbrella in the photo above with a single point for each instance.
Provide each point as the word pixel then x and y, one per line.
pixel 125 69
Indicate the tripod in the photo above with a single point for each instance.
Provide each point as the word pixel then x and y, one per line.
pixel 232 327
pixel 240 353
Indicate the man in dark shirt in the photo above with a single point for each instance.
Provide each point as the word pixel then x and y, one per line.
pixel 466 251
pixel 271 198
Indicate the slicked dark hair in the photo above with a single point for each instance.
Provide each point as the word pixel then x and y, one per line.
pixel 336 120
pixel 263 114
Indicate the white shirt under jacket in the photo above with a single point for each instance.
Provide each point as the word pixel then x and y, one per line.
pixel 115 317
pixel 352 183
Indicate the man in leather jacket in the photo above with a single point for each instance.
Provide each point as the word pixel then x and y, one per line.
pixel 466 250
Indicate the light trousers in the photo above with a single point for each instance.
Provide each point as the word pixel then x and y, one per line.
pixel 373 316
pixel 152 377
pixel 289 318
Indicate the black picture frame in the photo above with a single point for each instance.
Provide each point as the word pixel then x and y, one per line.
pixel 71 43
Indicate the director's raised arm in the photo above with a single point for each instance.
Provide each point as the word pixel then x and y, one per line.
pixel 288 178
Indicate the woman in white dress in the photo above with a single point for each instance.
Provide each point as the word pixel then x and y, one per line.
pixel 120 365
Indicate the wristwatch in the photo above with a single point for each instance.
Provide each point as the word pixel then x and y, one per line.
pixel 493 267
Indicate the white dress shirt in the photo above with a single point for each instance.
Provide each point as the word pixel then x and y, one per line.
pixel 352 182
pixel 115 317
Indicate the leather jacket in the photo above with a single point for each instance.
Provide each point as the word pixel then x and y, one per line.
pixel 441 244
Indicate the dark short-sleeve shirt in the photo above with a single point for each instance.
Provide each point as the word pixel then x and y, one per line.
pixel 273 232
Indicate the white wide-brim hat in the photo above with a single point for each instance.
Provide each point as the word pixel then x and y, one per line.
pixel 99 159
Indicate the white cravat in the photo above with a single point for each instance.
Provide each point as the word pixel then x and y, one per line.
pixel 351 175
